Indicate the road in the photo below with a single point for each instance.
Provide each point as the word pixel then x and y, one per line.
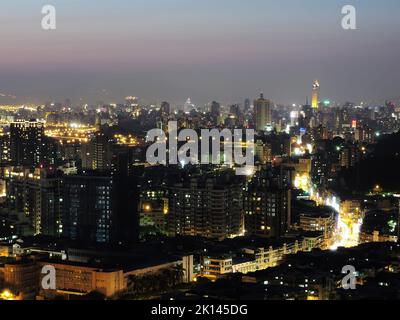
pixel 347 231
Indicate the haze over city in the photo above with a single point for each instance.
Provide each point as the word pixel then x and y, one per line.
pixel 223 50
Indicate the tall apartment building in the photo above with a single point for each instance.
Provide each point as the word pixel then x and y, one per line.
pixel 26 143
pixel 206 207
pixel 100 208
pixel 267 208
pixel 91 207
pixel 97 154
pixel 5 150
pixel 263 152
pixel 263 113
pixel 350 155
pixel 36 193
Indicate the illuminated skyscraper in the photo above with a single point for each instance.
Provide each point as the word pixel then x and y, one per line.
pixel 102 151
pixel 263 113
pixel 315 95
pixel 188 106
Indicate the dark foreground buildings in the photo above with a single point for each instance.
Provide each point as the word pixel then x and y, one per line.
pixel 89 207
pixel 100 207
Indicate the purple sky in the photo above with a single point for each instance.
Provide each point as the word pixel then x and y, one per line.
pixel 223 50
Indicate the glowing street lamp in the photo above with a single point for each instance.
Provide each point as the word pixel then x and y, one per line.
pixel 7 295
pixel 377 188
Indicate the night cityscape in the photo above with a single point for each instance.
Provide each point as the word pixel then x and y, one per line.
pixel 260 164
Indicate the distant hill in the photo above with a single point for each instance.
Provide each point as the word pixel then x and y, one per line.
pixel 382 168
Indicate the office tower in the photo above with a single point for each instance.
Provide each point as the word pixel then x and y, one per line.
pixel 267 207
pixel 26 142
pixel 263 113
pixel 100 208
pixel 206 207
pixel 36 194
pixel 315 95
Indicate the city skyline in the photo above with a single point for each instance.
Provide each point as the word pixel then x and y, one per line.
pixel 207 152
pixel 206 51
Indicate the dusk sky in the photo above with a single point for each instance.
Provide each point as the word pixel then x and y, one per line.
pixel 224 50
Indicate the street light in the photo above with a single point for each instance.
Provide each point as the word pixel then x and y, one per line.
pixel 7 295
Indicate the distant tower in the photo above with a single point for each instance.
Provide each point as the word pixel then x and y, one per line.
pixel 165 111
pixel 315 95
pixel 165 108
pixel 188 106
pixel 246 105
pixel 215 109
pixel 263 113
